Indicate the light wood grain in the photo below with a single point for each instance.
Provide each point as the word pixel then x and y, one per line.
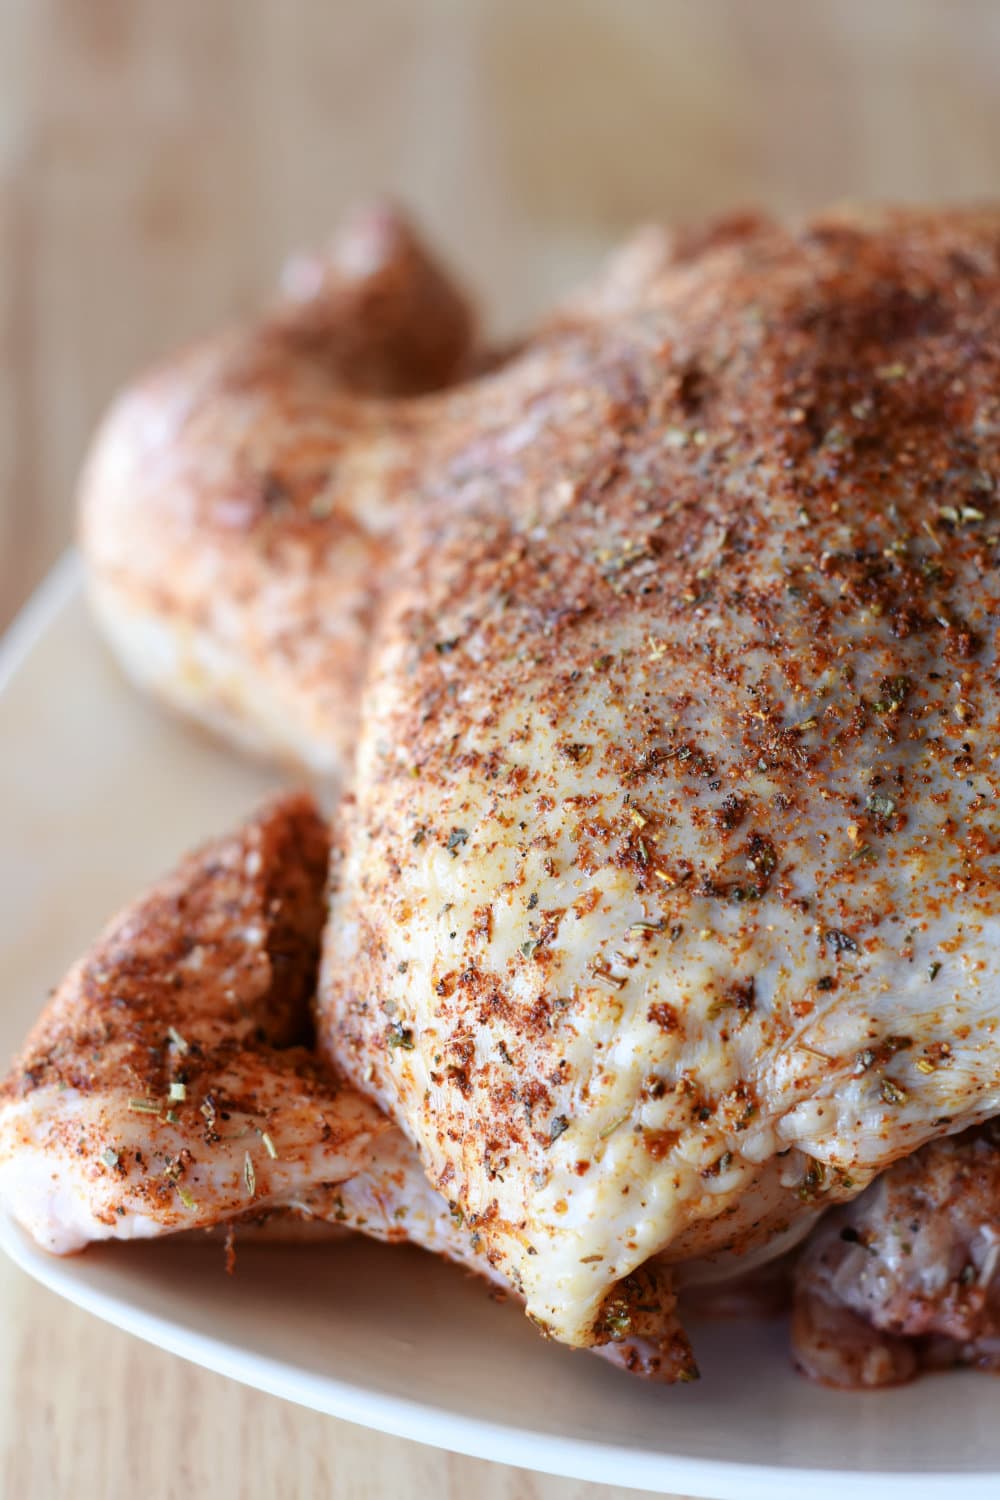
pixel 91 1411
pixel 157 159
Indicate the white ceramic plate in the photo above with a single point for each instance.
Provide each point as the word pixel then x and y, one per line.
pixel 99 793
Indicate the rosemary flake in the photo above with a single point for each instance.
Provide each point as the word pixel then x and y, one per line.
pixel 144 1106
pixel 609 980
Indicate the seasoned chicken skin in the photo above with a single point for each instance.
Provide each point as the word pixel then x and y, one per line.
pixel 665 903
pixel 167 1086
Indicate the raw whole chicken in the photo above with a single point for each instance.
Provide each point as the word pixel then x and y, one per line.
pixel 657 657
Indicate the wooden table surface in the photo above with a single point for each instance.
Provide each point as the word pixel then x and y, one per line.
pixel 156 161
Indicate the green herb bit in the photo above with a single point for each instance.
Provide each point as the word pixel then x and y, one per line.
pixel 609 1130
pixel 892 1093
pixel 933 971
pixel 400 1036
pixel 456 839
pixel 185 1197
pixel 617 1318
pixel 249 1175
pixel 144 1106
pixel 813 1183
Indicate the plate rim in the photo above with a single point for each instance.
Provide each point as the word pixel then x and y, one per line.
pixel 409 1417
pixel 60 584
pixel 423 1421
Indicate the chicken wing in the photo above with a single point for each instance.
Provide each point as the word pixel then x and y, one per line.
pixel 167 1087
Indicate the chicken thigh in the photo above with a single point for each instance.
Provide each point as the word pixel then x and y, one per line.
pixel 664 909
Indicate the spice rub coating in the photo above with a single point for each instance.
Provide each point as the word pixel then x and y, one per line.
pixel 232 511
pixel 167 1085
pixel 665 910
